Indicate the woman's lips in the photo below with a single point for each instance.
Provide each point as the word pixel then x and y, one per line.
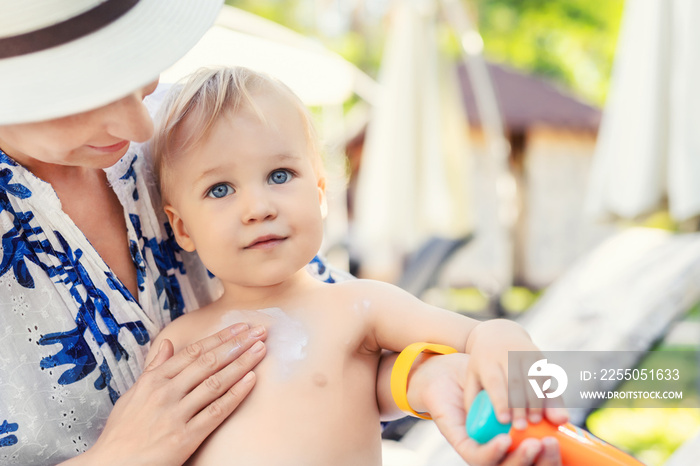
pixel 113 148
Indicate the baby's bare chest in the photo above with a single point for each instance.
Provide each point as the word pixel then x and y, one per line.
pixel 315 384
pixel 302 343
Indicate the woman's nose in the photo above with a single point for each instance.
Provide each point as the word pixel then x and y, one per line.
pixel 129 119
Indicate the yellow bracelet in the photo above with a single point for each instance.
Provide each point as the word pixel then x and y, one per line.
pixel 402 367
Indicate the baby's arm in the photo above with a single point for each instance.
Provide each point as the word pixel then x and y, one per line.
pixel 437 386
pixel 398 319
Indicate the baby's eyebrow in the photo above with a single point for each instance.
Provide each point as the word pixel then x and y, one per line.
pixel 206 173
pixel 287 156
pixel 281 157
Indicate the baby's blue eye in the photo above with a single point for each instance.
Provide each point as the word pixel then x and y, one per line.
pixel 280 176
pixel 220 190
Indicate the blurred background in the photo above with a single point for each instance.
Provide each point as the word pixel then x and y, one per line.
pixel 528 159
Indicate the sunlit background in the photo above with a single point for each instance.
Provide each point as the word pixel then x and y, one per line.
pixel 528 159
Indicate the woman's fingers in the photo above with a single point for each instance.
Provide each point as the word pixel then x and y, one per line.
pixel 216 385
pixel 238 333
pixel 550 455
pixel 452 428
pixel 211 362
pixel 218 396
pixel 164 353
pixel 489 454
pixel 543 452
pixel 181 398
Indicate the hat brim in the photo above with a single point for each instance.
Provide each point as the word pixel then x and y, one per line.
pixel 104 66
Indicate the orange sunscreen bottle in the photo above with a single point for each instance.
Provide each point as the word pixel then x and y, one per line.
pixel 577 446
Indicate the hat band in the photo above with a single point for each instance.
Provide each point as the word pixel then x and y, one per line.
pixel 65 31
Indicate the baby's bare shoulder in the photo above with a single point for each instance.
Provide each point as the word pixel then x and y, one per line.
pixel 195 318
pixel 190 327
pixel 372 293
pixel 363 285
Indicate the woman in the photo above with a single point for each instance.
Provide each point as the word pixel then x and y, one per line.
pixel 88 267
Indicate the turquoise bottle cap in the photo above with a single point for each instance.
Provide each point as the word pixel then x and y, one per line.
pixel 482 424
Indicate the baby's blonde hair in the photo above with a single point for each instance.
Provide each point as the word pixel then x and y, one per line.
pixel 206 96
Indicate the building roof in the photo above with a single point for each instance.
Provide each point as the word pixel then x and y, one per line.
pixel 526 101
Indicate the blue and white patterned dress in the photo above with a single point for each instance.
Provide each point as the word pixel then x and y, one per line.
pixel 72 338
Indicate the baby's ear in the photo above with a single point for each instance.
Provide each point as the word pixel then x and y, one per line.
pixel 181 235
pixel 322 197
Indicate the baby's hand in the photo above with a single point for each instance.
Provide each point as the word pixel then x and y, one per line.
pixel 525 405
pixel 488 346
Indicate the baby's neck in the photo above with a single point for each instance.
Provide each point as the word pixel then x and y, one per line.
pixel 237 296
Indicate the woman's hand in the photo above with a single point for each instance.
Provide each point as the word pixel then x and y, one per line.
pixel 437 385
pixel 179 400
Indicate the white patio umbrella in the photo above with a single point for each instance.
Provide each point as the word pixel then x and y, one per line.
pixel 238 38
pixel 412 180
pixel 648 150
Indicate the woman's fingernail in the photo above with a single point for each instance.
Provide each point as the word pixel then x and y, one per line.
pixel 549 441
pixel 248 377
pixel 535 418
pixel 239 327
pixel 530 453
pixel 257 347
pixel 257 331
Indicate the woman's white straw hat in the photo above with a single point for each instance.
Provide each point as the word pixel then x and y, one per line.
pixel 61 57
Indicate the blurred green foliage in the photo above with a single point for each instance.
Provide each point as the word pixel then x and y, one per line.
pixel 475 302
pixel 653 434
pixel 569 42
pixel 518 299
pixel 650 434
